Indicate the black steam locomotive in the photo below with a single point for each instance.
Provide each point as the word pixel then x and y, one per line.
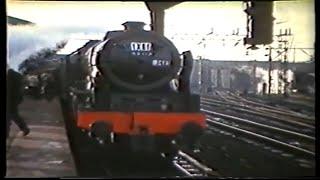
pixel 132 84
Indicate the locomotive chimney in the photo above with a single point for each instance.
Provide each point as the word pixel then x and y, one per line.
pixel 134 26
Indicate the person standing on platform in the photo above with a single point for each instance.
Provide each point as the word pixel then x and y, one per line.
pixel 14 98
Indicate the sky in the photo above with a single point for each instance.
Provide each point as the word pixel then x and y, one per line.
pixel 185 24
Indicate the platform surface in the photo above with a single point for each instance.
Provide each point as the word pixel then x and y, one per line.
pixel 45 152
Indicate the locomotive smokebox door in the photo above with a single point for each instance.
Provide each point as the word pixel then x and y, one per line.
pixel 138 60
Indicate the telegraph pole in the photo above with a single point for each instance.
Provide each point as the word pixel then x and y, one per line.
pixel 284 63
pixel 285 70
pixel 254 76
pixel 270 68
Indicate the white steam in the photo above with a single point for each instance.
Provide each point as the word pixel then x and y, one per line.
pixel 26 40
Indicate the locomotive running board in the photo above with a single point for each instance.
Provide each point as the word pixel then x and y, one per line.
pixel 133 123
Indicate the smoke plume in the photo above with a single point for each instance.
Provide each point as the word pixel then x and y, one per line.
pixel 24 41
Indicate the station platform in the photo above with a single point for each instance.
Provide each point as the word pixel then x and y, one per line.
pixel 45 152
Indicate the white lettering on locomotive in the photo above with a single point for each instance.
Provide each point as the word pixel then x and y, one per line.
pixel 157 62
pixel 141 46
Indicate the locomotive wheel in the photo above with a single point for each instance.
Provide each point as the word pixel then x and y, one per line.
pixel 189 134
pixel 169 155
pixel 101 131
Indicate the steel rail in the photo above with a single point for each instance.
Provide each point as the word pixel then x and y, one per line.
pixel 262 109
pixel 273 109
pixel 260 125
pixel 194 168
pixel 262 115
pixel 277 142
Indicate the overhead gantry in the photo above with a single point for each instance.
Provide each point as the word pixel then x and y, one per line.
pixel 259 23
pixel 156 10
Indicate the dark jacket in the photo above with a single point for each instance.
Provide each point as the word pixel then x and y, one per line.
pixel 14 90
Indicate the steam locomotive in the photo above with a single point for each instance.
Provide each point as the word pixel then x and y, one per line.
pixel 132 89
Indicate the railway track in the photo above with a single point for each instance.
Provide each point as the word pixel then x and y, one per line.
pixel 286 121
pixel 238 101
pixel 272 109
pixel 263 133
pixel 285 104
pixel 262 126
pixel 191 167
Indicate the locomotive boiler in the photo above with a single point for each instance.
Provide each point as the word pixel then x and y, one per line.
pixel 132 89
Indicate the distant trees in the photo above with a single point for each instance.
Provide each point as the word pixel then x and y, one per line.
pixel 35 60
